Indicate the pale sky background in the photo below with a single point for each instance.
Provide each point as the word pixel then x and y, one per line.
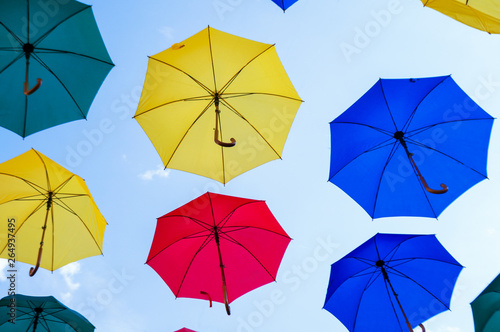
pixel 333 52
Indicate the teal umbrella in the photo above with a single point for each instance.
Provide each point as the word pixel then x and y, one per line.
pixel 19 313
pixel 52 63
pixel 486 308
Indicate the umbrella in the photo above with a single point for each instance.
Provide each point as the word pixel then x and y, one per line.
pixel 39 313
pixel 284 4
pixel 479 14
pixel 59 44
pixel 392 282
pixel 217 105
pixel 403 137
pixel 184 330
pixel 486 308
pixel 218 247
pixel 47 207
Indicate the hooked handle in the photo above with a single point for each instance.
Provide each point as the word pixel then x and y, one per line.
pixel 424 183
pixel 216 133
pixel 38 261
pixel 209 297
pixel 27 90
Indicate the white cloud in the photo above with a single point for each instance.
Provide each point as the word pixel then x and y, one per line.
pixel 68 272
pixel 3 265
pixel 158 172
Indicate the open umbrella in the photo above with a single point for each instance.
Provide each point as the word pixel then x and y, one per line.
pixel 48 208
pixel 184 330
pixel 20 313
pixel 392 283
pixel 486 308
pixel 218 247
pixel 392 148
pixel 59 44
pixel 284 4
pixel 217 105
pixel 479 14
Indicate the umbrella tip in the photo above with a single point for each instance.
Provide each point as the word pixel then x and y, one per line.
pixel 177 46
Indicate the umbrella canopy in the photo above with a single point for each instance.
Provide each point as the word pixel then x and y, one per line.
pixel 184 330
pixel 393 147
pixel 392 282
pixel 284 4
pixel 19 313
pixel 486 308
pixel 60 46
pixel 479 14
pixel 217 105
pixel 218 247
pixel 48 207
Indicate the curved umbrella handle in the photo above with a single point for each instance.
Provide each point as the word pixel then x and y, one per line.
pixel 434 191
pixel 209 297
pixel 424 183
pixel 28 91
pixel 38 261
pixel 422 327
pixel 216 132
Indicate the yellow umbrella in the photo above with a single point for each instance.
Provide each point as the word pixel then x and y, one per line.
pixel 46 206
pixel 480 14
pixel 217 105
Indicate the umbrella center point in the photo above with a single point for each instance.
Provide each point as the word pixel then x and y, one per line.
pixel 398 135
pixel 380 263
pixel 28 48
pixel 38 310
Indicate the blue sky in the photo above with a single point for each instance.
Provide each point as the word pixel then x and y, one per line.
pixel 333 52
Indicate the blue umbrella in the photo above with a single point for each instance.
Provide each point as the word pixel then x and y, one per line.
pixel 391 283
pixel 284 4
pixel 20 313
pixel 403 139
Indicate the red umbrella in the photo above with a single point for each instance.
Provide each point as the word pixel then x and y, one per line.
pixel 218 247
pixel 185 330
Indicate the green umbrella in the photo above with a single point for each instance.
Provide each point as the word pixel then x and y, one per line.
pixel 21 313
pixel 52 63
pixel 486 308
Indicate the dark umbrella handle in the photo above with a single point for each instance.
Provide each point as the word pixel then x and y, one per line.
pixel 216 132
pixel 422 327
pixel 38 261
pixel 424 183
pixel 209 297
pixel 27 90
pixel 228 310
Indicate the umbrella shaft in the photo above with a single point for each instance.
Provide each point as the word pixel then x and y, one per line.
pixel 386 277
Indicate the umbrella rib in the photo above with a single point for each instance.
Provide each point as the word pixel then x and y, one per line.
pixel 202 246
pixel 19 40
pixel 211 57
pixel 245 94
pixel 42 37
pixel 226 218
pixel 190 236
pixel 391 154
pixel 19 56
pixel 187 131
pixel 387 104
pixel 422 129
pixel 198 221
pixel 447 155
pixel 231 239
pixel 51 51
pixel 208 97
pixel 255 129
pixel 412 115
pixel 185 73
pixel 42 203
pixel 392 303
pixel 43 64
pixel 231 80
